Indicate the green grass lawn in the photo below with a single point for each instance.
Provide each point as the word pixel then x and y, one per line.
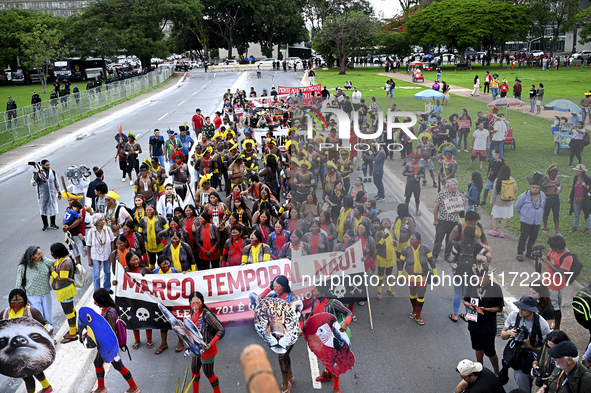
pixel 570 83
pixel 21 94
pixel 534 144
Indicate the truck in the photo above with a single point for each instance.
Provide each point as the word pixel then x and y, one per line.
pixel 302 53
pixel 76 68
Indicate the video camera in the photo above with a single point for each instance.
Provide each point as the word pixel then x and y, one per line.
pixel 536 253
pixel 38 170
pixel 541 378
pixel 77 172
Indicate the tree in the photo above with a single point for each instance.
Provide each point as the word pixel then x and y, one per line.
pixel 584 19
pixel 278 22
pixel 393 43
pixel 316 12
pixel 225 19
pixel 561 12
pixel 42 44
pixel 453 22
pixel 344 33
pixel 539 12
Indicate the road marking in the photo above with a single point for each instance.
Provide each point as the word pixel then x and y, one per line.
pixel 161 117
pixel 314 370
pixel 181 103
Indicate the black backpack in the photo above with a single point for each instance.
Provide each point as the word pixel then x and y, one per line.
pixel 581 306
pixel 575 268
pixel 464 262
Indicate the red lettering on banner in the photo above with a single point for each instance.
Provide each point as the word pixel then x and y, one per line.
pixel 351 253
pixel 173 294
pixel 288 273
pixel 249 277
pixel 209 278
pixel 237 284
pixel 320 268
pixel 129 282
pixel 143 287
pixel 297 277
pixel 333 266
pixel 220 284
pixel 263 281
pixel 158 288
pixel 191 289
pixel 274 271
pixel 344 262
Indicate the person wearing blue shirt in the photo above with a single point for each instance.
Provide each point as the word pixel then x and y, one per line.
pixel 530 206
pixel 156 143
pixel 437 108
pixel 187 142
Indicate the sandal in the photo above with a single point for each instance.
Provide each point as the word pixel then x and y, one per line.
pixel 288 390
pixel 150 344
pixel 361 303
pixel 463 316
pixel 379 297
pixel 451 317
pixel 136 345
pixel 100 390
pixel 161 349
pixel 545 230
pixel 66 339
pixel 67 334
pixel 391 293
pixel 412 315
pixel 324 377
pixel 46 391
pixel 179 348
pixel 420 321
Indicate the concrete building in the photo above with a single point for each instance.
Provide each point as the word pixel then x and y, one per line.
pixel 62 8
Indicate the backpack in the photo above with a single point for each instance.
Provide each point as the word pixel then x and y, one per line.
pixel 508 189
pixel 127 209
pixel 80 276
pixel 586 139
pixel 581 306
pixel 121 333
pixel 465 261
pixel 575 267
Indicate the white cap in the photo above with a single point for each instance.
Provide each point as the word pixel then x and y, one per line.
pixel 467 367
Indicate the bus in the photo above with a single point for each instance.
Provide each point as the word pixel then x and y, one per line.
pixel 76 68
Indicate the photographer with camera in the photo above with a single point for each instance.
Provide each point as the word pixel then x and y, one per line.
pixel 527 332
pixel 559 261
pixel 48 192
pixel 570 375
pixel 544 365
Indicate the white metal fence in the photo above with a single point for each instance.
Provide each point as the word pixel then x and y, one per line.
pixel 29 120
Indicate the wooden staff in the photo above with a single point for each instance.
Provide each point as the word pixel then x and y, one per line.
pixel 257 370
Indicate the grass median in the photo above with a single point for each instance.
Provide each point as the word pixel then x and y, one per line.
pixel 534 145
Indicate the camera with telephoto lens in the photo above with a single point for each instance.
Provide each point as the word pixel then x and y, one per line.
pixel 522 333
pixel 536 253
pixel 38 170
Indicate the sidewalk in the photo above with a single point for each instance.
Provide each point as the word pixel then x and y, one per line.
pixel 517 275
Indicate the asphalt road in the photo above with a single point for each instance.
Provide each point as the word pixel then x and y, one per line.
pixel 397 355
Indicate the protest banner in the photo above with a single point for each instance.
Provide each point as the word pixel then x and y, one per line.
pixel 306 90
pixel 226 290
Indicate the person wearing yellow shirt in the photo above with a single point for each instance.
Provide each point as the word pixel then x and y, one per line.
pixel 494 86
pixel 256 251
pixel 150 225
pixel 62 275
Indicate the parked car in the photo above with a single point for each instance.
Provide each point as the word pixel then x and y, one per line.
pixel 537 53
pixel 230 62
pixel 294 60
pixel 4 77
pixel 581 55
pixel 266 64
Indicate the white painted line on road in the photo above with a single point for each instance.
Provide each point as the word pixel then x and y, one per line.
pixel 161 117
pixel 314 370
pixel 181 103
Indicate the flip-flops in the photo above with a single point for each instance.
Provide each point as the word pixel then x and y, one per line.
pixel 150 344
pixel 136 345
pixel 379 297
pixel 66 340
pixel 393 294
pixel 450 316
pixel 179 348
pixel 161 349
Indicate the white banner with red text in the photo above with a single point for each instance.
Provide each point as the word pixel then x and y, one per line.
pixel 226 290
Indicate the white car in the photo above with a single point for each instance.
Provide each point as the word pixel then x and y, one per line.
pixel 266 64
pixel 230 62
pixel 582 55
pixel 293 60
pixel 537 53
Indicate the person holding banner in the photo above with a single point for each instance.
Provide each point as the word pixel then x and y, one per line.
pixel 419 263
pixel 343 217
pixel 207 241
pixel 386 255
pixel 109 312
pixel 368 244
pixel 179 254
pixel 282 290
pixel 322 303
pixel 212 331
